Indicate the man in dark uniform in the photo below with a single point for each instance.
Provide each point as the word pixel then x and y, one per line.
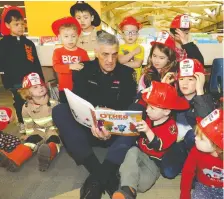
pixel 107 84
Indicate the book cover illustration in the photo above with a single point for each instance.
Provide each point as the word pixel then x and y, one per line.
pixel 119 122
pixel 116 122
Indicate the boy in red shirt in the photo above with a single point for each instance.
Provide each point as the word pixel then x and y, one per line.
pixel 141 167
pixel 68 57
pixel 205 160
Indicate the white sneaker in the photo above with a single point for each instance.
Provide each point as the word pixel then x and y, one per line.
pixel 21 128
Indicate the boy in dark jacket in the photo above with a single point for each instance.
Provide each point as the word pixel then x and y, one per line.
pixel 18 56
pixel 191 80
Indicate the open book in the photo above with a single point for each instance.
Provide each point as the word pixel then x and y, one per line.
pixel 116 122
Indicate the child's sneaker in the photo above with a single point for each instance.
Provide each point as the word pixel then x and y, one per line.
pixel 46 153
pixel 125 193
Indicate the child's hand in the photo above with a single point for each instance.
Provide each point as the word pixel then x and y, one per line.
pixel 200 81
pixel 142 127
pixel 76 66
pixel 137 50
pixel 169 78
pixel 184 37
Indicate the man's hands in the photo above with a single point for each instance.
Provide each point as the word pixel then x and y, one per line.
pixel 100 134
pixel 76 66
pixel 200 82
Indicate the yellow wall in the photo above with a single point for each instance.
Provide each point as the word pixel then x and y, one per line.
pixel 41 14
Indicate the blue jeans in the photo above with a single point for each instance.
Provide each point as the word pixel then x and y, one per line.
pixel 78 139
pixel 173 160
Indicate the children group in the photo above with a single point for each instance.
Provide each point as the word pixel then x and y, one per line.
pixel 181 130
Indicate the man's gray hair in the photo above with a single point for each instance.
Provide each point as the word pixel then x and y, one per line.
pixel 106 38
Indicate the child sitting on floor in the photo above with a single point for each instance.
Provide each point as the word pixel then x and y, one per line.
pixel 42 135
pixel 141 167
pixel 205 161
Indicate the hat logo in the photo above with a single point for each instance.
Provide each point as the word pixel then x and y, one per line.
pixel 162 37
pixel 34 79
pixel 187 68
pixel 213 116
pixel 4 116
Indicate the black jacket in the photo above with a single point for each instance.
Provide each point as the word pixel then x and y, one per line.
pixel 18 57
pixel 200 106
pixel 115 90
pixel 193 52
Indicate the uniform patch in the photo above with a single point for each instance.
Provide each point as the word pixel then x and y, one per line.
pixel 173 129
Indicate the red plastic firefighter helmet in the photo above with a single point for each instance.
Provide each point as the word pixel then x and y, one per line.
pixel 5 115
pixel 188 67
pixel 212 126
pixel 181 21
pixel 7 8
pixel 165 39
pixel 31 80
pixel 165 96
pixel 130 21
pixel 66 20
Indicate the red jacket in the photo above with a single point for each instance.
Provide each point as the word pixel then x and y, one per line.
pixel 61 60
pixel 207 168
pixel 165 136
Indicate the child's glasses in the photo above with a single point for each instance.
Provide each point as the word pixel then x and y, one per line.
pixel 127 33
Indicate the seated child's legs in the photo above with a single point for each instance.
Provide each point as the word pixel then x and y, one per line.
pixel 138 173
pixel 204 192
pixel 173 160
pixel 48 151
pixel 189 139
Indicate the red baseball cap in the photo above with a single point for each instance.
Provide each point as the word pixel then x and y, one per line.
pixel 129 21
pixel 66 20
pixel 165 96
pixel 31 80
pixel 181 21
pixel 165 39
pixel 212 127
pixel 5 115
pixel 7 8
pixel 188 67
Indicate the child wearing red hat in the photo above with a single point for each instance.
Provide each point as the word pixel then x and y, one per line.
pixel 191 80
pixel 179 28
pixel 18 56
pixel 161 61
pixel 68 57
pixel 131 54
pixel 10 145
pixel 42 135
pixel 205 160
pixel 141 166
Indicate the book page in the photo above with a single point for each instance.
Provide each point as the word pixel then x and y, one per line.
pixel 82 110
pixel 119 122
